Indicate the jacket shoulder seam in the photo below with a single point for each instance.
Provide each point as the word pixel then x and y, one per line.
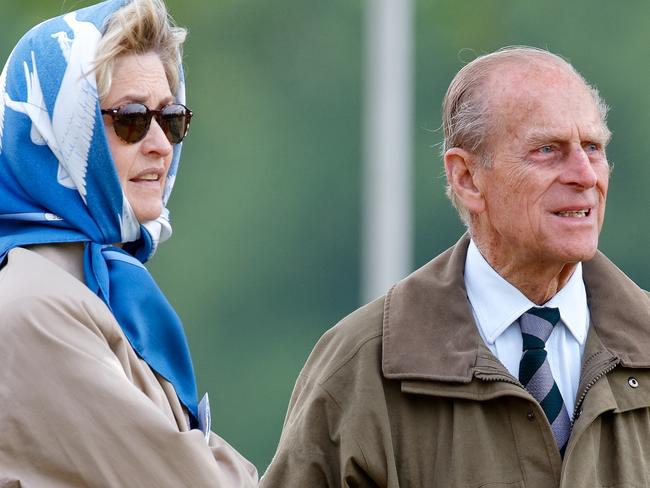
pixel 345 360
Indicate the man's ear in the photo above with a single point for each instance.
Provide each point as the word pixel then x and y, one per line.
pixel 460 167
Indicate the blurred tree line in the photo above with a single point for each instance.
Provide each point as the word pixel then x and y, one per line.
pixel 265 253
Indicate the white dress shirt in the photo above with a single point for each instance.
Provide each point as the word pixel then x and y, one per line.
pixel 497 305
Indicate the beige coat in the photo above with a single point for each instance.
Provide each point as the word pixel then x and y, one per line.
pixel 404 393
pixel 78 407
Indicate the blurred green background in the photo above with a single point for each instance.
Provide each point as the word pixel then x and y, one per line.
pixel 266 210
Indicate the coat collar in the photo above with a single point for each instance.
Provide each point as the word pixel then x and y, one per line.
pixel 620 312
pixel 429 332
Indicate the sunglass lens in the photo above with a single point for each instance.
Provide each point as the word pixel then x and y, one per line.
pixel 174 120
pixel 132 122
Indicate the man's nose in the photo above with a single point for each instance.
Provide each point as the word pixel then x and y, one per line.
pixel 579 169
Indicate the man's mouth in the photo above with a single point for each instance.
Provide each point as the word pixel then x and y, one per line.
pixel 574 213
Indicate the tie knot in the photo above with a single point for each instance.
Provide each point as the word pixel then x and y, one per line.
pixel 536 326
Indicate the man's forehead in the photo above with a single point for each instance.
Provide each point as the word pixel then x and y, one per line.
pixel 525 78
pixel 545 93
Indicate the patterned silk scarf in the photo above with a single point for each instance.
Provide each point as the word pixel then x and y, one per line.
pixel 58 184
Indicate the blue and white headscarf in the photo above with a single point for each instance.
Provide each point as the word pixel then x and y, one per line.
pixel 58 184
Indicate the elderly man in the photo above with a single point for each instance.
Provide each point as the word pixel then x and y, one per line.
pixel 517 358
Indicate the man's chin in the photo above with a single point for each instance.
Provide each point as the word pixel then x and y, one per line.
pixel 577 254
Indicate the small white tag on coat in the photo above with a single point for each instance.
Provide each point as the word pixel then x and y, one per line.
pixel 205 418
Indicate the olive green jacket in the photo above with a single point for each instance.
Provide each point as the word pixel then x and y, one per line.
pixel 404 393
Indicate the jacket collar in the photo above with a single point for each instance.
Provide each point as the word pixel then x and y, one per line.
pixel 620 312
pixel 429 332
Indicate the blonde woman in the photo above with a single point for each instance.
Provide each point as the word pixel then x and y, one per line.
pixel 96 382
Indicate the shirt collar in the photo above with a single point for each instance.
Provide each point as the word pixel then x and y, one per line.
pixel 497 303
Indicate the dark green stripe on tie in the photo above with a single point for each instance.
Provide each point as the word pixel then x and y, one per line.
pixel 534 360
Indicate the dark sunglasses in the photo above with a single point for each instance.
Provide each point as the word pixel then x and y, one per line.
pixel 132 121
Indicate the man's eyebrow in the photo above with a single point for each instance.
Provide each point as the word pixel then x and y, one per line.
pixel 607 135
pixel 600 135
pixel 542 136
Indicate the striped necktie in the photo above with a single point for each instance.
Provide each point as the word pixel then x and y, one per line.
pixel 535 373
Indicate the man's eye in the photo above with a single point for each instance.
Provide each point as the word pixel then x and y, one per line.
pixel 546 149
pixel 591 147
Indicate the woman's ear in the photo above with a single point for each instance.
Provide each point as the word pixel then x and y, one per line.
pixel 460 167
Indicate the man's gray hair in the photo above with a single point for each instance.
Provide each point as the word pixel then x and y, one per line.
pixel 466 114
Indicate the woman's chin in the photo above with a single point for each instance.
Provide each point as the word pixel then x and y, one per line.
pixel 147 213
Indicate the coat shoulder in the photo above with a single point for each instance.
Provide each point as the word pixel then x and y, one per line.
pixel 38 295
pixel 26 274
pixel 357 337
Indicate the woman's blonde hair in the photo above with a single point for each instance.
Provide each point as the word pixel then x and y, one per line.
pixel 139 27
